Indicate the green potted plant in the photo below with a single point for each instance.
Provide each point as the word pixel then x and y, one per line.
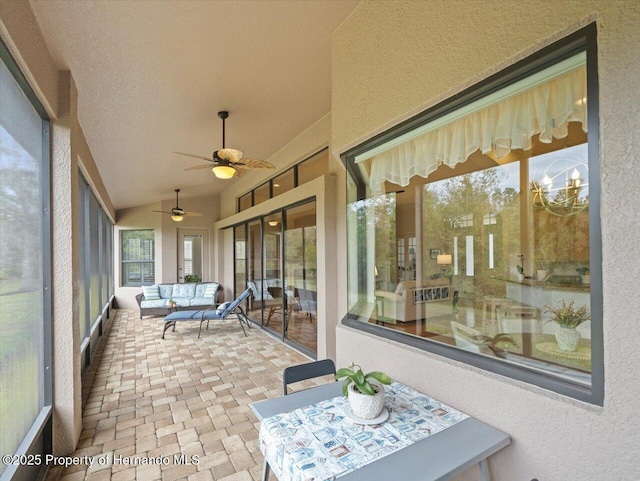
pixel 568 317
pixel 171 303
pixel 192 278
pixel 585 274
pixel 364 391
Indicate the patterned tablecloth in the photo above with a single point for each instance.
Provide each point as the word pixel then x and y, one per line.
pixel 319 442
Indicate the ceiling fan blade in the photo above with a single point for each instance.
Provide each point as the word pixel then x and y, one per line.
pixel 192 214
pixel 162 212
pixel 240 171
pixel 232 155
pixel 202 166
pixel 201 157
pixel 255 164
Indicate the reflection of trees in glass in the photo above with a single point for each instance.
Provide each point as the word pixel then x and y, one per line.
pixel 19 215
pixel 476 204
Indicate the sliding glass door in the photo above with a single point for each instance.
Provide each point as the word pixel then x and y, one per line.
pixel 300 275
pixel 275 256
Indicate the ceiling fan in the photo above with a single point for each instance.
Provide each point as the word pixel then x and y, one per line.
pixel 177 214
pixel 228 162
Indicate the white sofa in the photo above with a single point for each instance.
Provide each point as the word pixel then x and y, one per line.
pixel 413 300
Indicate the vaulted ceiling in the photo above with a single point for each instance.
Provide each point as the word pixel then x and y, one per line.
pixel 152 75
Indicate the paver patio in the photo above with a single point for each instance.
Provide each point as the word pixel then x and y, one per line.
pixel 147 397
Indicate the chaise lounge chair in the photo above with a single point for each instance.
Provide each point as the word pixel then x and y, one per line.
pixel 220 313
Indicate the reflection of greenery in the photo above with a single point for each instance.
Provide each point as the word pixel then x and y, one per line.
pixel 475 204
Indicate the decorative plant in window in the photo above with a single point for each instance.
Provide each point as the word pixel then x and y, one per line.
pixel 192 278
pixel 568 317
pixel 365 391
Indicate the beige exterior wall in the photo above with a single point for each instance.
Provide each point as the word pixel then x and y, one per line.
pixel 394 59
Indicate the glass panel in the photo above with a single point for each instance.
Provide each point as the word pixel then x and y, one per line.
pixel 245 201
pixel 499 249
pixel 313 167
pixel 83 284
pixel 301 275
pixel 104 254
pixel 94 259
pixel 260 194
pixel 138 249
pixel 240 239
pixel 254 251
pixel 21 272
pixel 283 183
pixel 272 283
pixel 193 257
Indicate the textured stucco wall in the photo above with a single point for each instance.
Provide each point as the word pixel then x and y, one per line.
pixel 67 389
pixel 23 37
pixel 393 59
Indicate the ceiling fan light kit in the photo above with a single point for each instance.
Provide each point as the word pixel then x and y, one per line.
pixel 224 171
pixel 228 162
pixel 177 214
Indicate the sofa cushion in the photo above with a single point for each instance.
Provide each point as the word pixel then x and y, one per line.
pixel 166 290
pixel 201 301
pixel 153 304
pixel 183 291
pixel 200 288
pixel 182 301
pixel 211 290
pixel 151 293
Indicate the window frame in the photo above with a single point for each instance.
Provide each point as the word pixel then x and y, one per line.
pixel 585 40
pixel 123 261
pixel 296 182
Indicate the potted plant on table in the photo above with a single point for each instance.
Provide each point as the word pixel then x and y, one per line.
pixel 171 304
pixel 364 391
pixel 568 317
pixel 585 274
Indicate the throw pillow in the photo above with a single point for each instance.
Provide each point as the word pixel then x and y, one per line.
pixel 211 290
pixel 151 293
pixel 222 307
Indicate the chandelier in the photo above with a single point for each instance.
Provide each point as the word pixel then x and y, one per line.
pixel 562 192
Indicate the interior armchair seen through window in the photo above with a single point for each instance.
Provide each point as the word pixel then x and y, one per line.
pixel 473 230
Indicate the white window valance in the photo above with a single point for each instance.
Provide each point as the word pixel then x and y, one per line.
pixel 510 123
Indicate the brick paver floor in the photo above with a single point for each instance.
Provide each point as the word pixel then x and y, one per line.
pixel 153 398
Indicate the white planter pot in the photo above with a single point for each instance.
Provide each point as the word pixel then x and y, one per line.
pixel 520 277
pixel 365 406
pixel 567 338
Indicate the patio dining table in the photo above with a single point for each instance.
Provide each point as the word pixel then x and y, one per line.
pixel 309 435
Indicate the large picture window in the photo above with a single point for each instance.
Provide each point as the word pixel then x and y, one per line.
pixel 138 251
pixel 474 233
